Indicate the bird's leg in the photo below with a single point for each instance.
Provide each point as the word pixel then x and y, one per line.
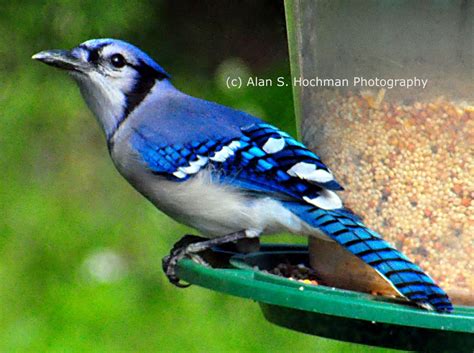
pixel 187 240
pixel 248 245
pixel 191 246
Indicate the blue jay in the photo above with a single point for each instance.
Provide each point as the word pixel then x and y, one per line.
pixel 221 171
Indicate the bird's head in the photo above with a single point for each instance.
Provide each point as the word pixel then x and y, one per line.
pixel 113 76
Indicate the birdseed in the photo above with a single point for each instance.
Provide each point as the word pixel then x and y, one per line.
pixel 407 170
pixel 300 272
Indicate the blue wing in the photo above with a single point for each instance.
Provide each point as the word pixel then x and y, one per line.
pixel 261 158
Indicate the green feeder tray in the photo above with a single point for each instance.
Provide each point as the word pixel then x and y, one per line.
pixel 330 312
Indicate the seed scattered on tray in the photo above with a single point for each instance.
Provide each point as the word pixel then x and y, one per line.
pixel 306 275
pixel 300 273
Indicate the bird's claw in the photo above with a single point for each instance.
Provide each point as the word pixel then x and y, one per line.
pixel 169 267
pixel 191 246
pixel 180 250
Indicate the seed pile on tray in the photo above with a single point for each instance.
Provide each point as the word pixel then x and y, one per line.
pixel 300 272
pixel 408 170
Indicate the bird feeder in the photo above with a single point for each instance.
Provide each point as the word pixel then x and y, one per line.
pixel 327 311
pixel 383 93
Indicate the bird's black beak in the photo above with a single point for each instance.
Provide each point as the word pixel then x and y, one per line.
pixel 63 59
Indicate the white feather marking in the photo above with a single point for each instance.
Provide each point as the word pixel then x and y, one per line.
pixel 179 174
pixel 274 145
pixel 225 152
pixel 191 169
pixel 222 155
pixel 201 160
pixel 234 145
pixel 322 176
pixel 194 166
pixel 327 200
pixel 310 172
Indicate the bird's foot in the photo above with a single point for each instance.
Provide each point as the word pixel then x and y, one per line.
pixel 177 253
pixel 190 246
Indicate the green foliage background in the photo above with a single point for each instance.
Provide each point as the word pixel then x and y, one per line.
pixel 62 204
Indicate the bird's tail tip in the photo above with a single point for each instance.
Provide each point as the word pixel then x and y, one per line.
pixel 441 304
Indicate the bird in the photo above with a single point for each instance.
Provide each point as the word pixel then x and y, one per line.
pixel 221 171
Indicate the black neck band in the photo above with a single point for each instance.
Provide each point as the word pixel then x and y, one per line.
pixel 143 86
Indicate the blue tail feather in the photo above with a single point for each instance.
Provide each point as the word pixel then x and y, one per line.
pixel 347 229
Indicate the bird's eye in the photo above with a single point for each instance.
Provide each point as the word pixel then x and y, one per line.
pixel 118 60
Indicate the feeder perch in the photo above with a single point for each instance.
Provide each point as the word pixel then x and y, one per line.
pixel 327 311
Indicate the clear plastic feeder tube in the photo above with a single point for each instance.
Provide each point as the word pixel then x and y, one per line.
pixel 385 95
